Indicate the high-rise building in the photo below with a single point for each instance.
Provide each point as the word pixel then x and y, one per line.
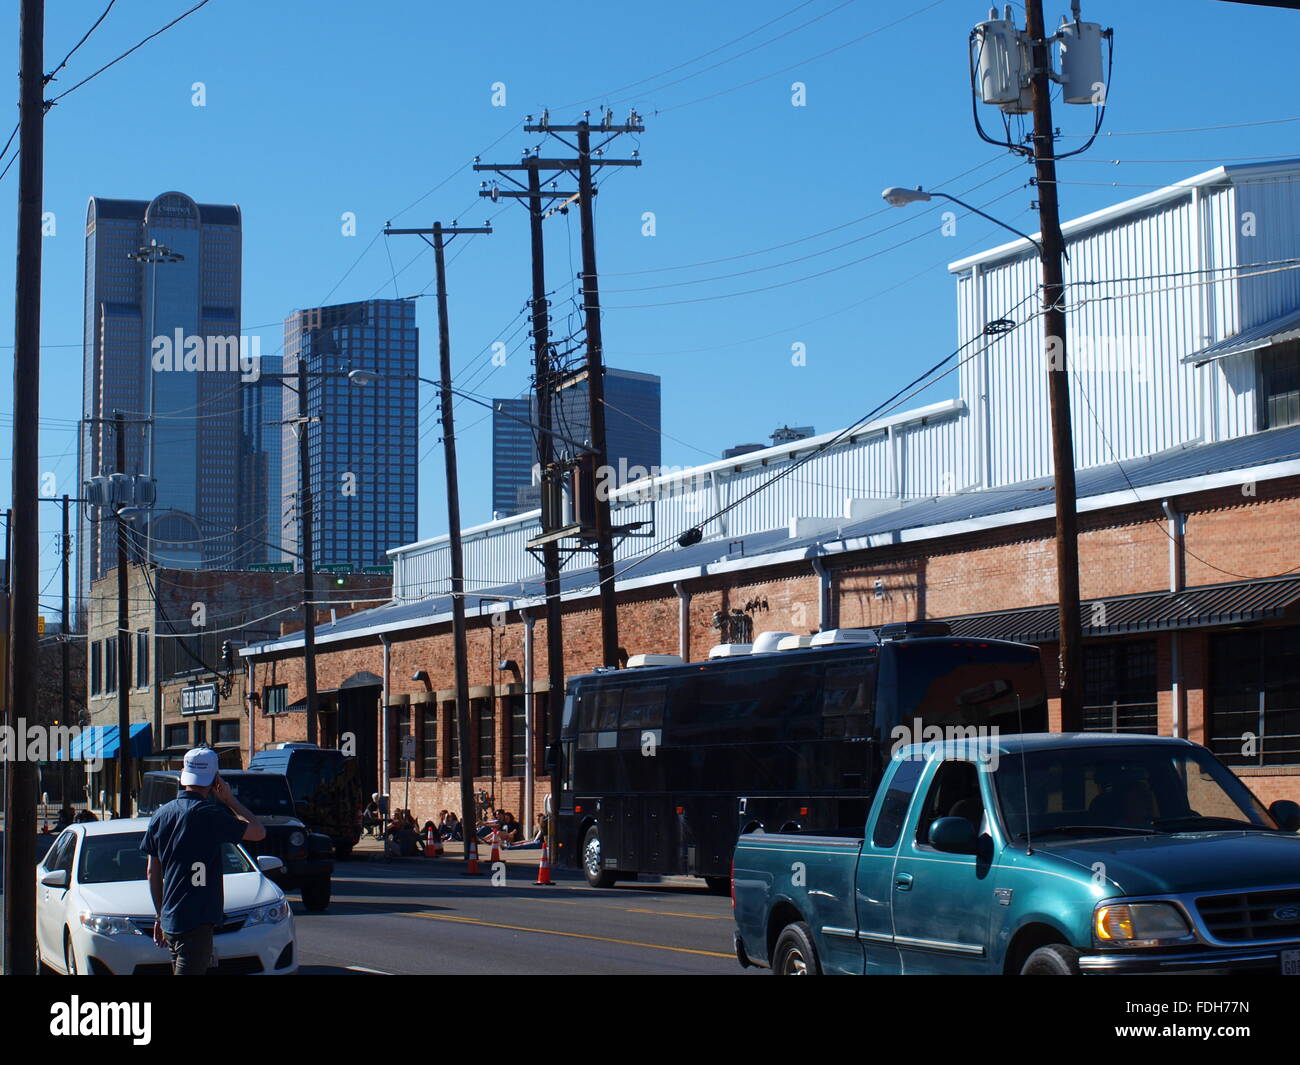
pixel 162 345
pixel 363 445
pixel 262 518
pixel 788 434
pixel 514 453
pixel 632 435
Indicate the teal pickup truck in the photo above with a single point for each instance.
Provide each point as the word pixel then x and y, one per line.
pixel 1042 854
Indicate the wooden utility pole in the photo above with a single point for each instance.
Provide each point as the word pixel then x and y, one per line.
pixel 440 234
pixel 584 168
pixel 20 790
pixel 1053 244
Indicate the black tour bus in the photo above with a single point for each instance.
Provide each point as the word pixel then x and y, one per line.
pixel 662 767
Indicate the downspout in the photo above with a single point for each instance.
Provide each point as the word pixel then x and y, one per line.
pixel 248 702
pixel 1175 520
pixel 823 571
pixel 683 620
pixel 385 698
pixel 529 738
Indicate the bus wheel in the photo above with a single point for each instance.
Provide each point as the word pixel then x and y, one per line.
pixel 596 876
pixel 718 885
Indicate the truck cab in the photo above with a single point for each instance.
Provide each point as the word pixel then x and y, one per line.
pixel 1038 855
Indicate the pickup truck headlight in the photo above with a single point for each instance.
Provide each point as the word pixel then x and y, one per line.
pixel 108 926
pixel 296 839
pixel 1138 924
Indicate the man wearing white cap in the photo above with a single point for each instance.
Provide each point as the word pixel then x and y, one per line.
pixel 184 841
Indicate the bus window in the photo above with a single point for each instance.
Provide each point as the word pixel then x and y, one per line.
pixel 607 707
pixel 848 700
pixel 643 707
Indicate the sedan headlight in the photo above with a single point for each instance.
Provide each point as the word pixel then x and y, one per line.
pixel 104 925
pixel 272 913
pixel 1138 924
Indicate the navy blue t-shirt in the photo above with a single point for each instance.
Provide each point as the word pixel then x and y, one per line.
pixel 187 836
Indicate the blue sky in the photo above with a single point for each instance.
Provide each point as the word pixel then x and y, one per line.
pixel 316 109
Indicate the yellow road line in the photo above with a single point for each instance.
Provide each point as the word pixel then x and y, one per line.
pixel 569 935
pixel 670 913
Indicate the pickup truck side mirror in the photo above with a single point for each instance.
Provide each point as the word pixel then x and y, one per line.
pixel 1287 815
pixel 552 756
pixel 952 835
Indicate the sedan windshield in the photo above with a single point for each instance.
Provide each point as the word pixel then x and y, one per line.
pixel 113 859
pixel 1123 790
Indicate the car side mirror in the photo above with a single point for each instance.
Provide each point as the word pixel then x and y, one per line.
pixel 1287 815
pixel 57 878
pixel 269 863
pixel 952 835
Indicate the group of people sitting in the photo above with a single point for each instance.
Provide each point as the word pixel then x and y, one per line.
pixel 69 816
pixel 402 834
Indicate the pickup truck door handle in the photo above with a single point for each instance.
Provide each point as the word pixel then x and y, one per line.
pixel 902 881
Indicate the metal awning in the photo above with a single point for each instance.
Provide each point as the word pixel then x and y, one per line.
pixel 1192 608
pixel 321 697
pixel 1275 331
pixel 101 741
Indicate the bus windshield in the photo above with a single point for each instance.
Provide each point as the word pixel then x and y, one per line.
pixel 946 682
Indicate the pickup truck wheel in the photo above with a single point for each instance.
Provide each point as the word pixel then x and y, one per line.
pixel 1055 959
pixel 316 894
pixel 795 954
pixel 597 876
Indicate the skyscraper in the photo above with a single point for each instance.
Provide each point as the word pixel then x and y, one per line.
pixel 514 452
pixel 632 434
pixel 262 518
pixel 161 344
pixel 363 447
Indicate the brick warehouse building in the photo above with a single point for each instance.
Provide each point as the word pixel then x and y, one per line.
pixel 1188 448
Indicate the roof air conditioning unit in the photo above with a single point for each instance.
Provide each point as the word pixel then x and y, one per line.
pixel 769 641
pixel 794 643
pixel 729 650
pixel 833 636
pixel 637 661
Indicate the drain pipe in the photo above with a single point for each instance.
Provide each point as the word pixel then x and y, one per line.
pixel 823 571
pixel 385 699
pixel 248 701
pixel 683 620
pixel 1175 520
pixel 529 768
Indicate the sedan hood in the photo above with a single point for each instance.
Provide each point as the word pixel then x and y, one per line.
pixel 1187 861
pixel 131 898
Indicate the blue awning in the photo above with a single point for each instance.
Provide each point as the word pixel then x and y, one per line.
pixel 101 741
pixel 1275 331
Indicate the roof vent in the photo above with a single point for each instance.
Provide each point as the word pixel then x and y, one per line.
pixel 768 641
pixel 729 650
pixel 793 643
pixel 636 661
pixel 830 636
pixel 901 630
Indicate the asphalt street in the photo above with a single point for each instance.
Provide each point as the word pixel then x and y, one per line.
pixel 420 916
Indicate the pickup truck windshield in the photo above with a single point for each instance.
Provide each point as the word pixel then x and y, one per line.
pixel 1122 790
pixel 267 795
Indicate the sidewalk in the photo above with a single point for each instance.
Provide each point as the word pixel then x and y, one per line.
pixel 371 849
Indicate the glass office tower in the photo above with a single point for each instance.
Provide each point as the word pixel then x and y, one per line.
pixel 363 452
pixel 514 453
pixel 262 519
pixel 161 344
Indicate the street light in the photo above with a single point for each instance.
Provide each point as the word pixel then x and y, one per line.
pixel 897 196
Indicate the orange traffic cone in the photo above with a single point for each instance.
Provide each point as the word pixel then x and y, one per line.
pixel 431 844
pixel 544 867
pixel 496 848
pixel 471 866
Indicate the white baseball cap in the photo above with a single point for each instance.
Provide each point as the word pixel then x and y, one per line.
pixel 200 767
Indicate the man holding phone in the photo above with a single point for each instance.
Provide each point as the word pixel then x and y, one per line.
pixel 184 842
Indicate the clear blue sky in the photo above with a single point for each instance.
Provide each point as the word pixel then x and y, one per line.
pixel 316 109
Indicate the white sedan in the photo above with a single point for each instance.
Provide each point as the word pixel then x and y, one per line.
pixel 94 914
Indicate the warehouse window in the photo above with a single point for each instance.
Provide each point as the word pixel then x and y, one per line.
pixel 486 717
pixel 275 699
pixel 401 727
pixel 428 741
pixel 1120 688
pixel 1279 393
pixel 1254 697
pixel 518 734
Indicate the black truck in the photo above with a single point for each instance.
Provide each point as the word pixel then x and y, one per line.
pixel 308 856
